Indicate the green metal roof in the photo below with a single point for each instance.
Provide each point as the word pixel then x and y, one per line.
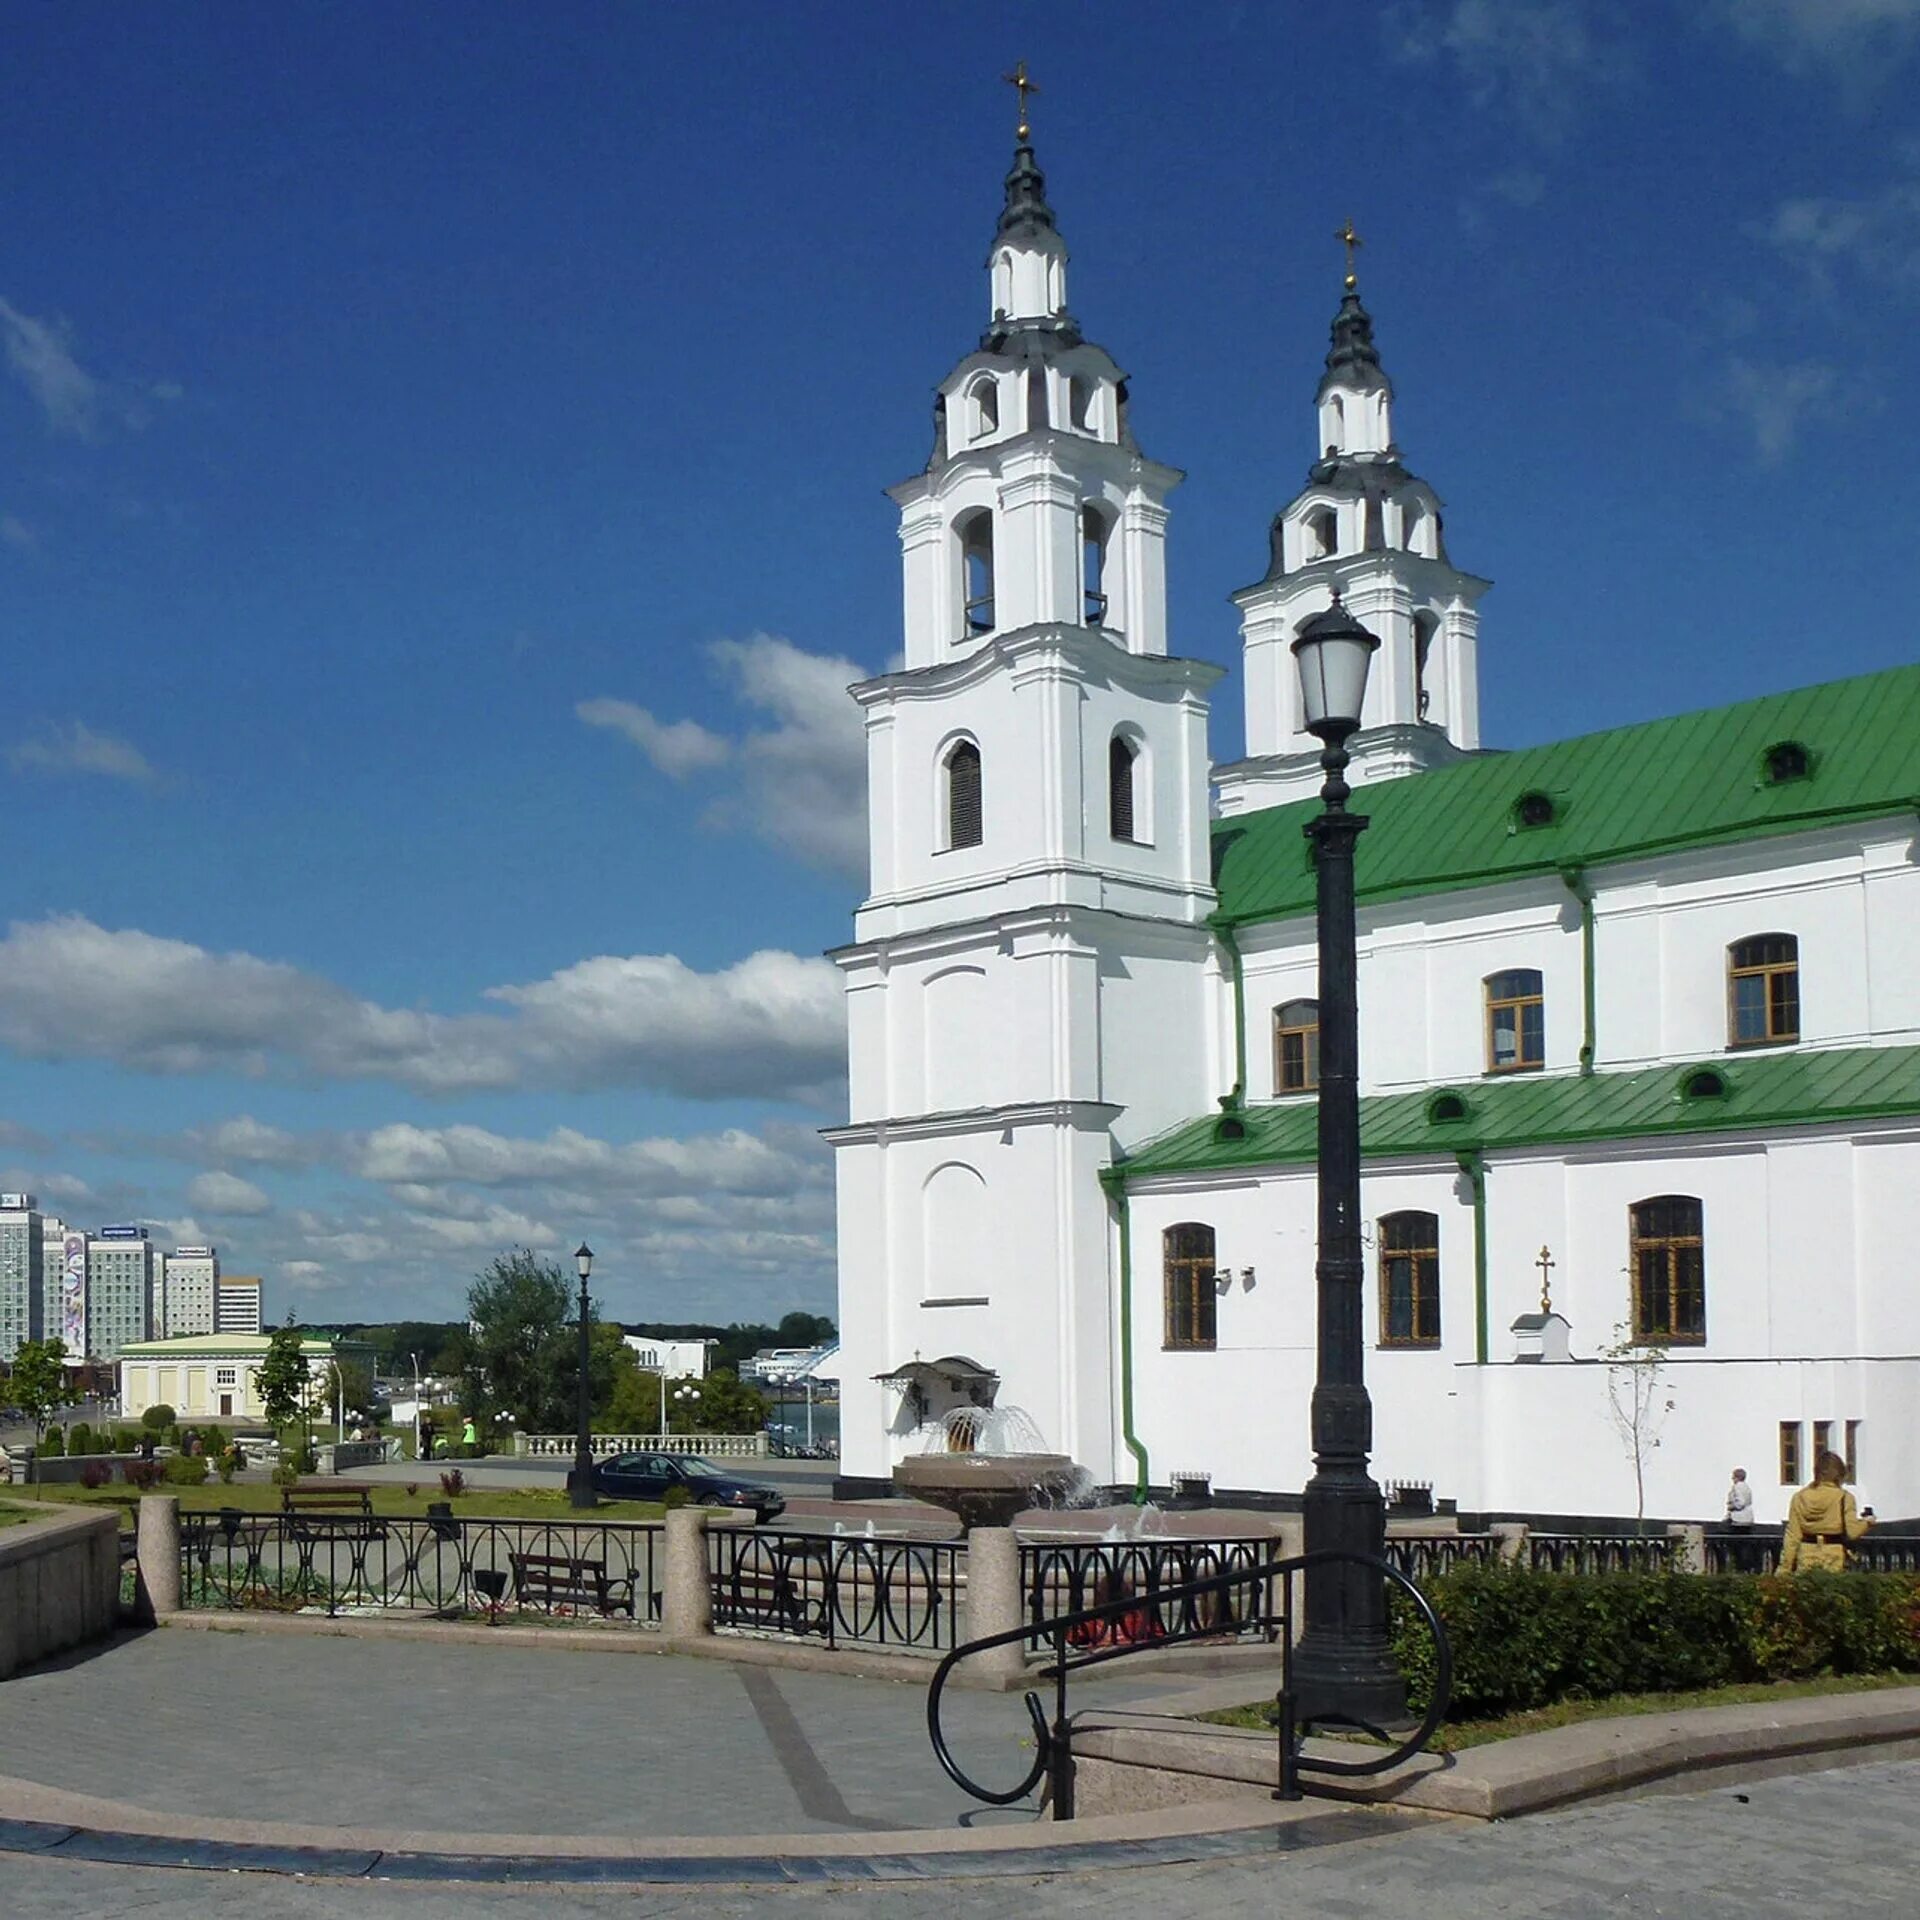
pixel 1688 781
pixel 1530 1110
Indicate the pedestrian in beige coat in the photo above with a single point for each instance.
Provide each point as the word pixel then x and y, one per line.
pixel 1821 1520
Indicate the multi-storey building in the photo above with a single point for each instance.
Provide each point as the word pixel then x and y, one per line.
pixel 190 1283
pixel 237 1306
pixel 22 1276
pixel 119 1297
pixel 1639 1023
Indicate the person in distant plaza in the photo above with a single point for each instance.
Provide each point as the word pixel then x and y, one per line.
pixel 1821 1520
pixel 469 1434
pixel 1740 1522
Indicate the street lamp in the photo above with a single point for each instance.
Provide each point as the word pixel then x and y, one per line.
pixel 684 1392
pixel 1343 1667
pixel 580 1480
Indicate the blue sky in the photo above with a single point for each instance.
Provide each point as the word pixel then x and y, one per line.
pixel 440 465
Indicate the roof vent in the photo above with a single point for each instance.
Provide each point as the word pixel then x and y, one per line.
pixel 1786 760
pixel 1447 1106
pixel 1230 1127
pixel 1703 1083
pixel 1535 809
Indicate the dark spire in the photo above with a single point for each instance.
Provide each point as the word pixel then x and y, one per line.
pixel 1026 210
pixel 1353 360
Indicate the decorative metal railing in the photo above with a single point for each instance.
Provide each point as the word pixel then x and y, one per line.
pixel 1757 1550
pixel 1066 1576
pixel 1424 1556
pixel 866 1590
pixel 438 1565
pixel 720 1446
pixel 1599 1552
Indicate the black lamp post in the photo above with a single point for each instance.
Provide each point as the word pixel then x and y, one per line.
pixel 580 1480
pixel 1343 1668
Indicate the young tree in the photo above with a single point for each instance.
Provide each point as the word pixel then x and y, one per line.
pixel 284 1379
pixel 521 1348
pixel 38 1384
pixel 724 1406
pixel 1639 1402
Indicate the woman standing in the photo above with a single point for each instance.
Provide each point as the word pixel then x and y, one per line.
pixel 1821 1520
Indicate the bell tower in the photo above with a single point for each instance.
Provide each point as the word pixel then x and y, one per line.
pixel 1366 528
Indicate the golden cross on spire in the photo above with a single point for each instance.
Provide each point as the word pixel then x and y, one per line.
pixel 1546 1263
pixel 1018 80
pixel 1350 240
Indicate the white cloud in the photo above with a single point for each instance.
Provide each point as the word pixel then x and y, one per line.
pixel 247 1139
pixel 15 533
pixel 77 748
pixel 40 357
pixel 771 1026
pixel 676 747
pixel 1857 42
pixel 1532 59
pixel 1877 236
pixel 219 1193
pixel 800 783
pixel 1773 402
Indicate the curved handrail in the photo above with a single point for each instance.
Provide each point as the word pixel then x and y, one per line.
pixel 1061 1625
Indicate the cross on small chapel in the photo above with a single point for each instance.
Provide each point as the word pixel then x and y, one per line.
pixel 1018 80
pixel 1546 1264
pixel 1349 239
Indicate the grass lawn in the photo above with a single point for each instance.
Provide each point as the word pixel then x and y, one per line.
pixel 1459 1735
pixel 519 1503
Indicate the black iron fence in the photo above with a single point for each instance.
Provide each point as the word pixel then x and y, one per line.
pixel 1160 1578
pixel 1757 1550
pixel 441 1565
pixel 867 1590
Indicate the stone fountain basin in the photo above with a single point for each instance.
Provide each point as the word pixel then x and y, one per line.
pixel 985 1489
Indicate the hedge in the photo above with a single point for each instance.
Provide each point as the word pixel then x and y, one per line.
pixel 1525 1639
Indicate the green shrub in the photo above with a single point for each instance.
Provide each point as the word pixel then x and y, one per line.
pixel 53 1444
pixel 675 1497
pixel 126 1440
pixel 1523 1639
pixel 286 1474
pixel 158 1417
pixel 213 1441
pixel 180 1471
pixel 80 1438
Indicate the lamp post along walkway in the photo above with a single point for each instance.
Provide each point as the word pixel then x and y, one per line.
pixel 1343 1668
pixel 580 1480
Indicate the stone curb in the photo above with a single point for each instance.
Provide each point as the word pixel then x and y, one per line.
pixel 1523 1775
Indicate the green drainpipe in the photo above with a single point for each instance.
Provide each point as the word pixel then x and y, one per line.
pixel 1115 1182
pixel 1473 1164
pixel 1223 932
pixel 1576 882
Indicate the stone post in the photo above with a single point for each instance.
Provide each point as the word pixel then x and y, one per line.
pixel 995 1603
pixel 1512 1536
pixel 1689 1549
pixel 1289 1541
pixel 157 1543
pixel 686 1596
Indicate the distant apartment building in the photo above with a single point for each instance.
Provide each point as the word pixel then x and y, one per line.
pixel 190 1284
pixel 237 1303
pixel 22 1275
pixel 53 1245
pixel 678 1359
pixel 119 1290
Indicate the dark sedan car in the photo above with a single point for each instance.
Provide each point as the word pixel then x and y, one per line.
pixel 652 1476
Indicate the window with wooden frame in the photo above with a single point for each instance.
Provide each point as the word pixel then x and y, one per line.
pixel 1410 1280
pixel 1516 1021
pixel 1187 1258
pixel 1851 1452
pixel 1763 991
pixel 1822 1441
pixel 1789 1453
pixel 1121 755
pixel 963 795
pixel 1296 1046
pixel 1667 1257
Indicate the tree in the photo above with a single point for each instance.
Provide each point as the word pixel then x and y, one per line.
pixel 520 1354
pixel 1639 1402
pixel 724 1406
pixel 802 1330
pixel 38 1383
pixel 284 1379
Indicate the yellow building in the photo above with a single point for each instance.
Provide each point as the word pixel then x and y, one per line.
pixel 210 1376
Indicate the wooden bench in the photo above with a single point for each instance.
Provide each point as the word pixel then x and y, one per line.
pixel 552 1579
pixel 340 1499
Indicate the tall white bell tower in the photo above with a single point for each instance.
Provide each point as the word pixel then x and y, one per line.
pixel 1032 980
pixel 1367 526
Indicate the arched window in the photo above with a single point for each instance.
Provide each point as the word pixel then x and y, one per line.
pixel 976 564
pixel 1763 991
pixel 1667 1256
pixel 1416 534
pixel 963 795
pixel 1337 420
pixel 1121 755
pixel 1093 548
pixel 1187 1264
pixel 1002 285
pixel 1036 400
pixel 1410 1280
pixel 1516 1021
pixel 1425 626
pixel 1320 533
pixel 1374 536
pixel 986 408
pixel 1080 395
pixel 1296 1046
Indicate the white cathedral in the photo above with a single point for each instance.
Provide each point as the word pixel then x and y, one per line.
pixel 1639 1011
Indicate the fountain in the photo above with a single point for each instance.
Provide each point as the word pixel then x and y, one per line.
pixel 986 1464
